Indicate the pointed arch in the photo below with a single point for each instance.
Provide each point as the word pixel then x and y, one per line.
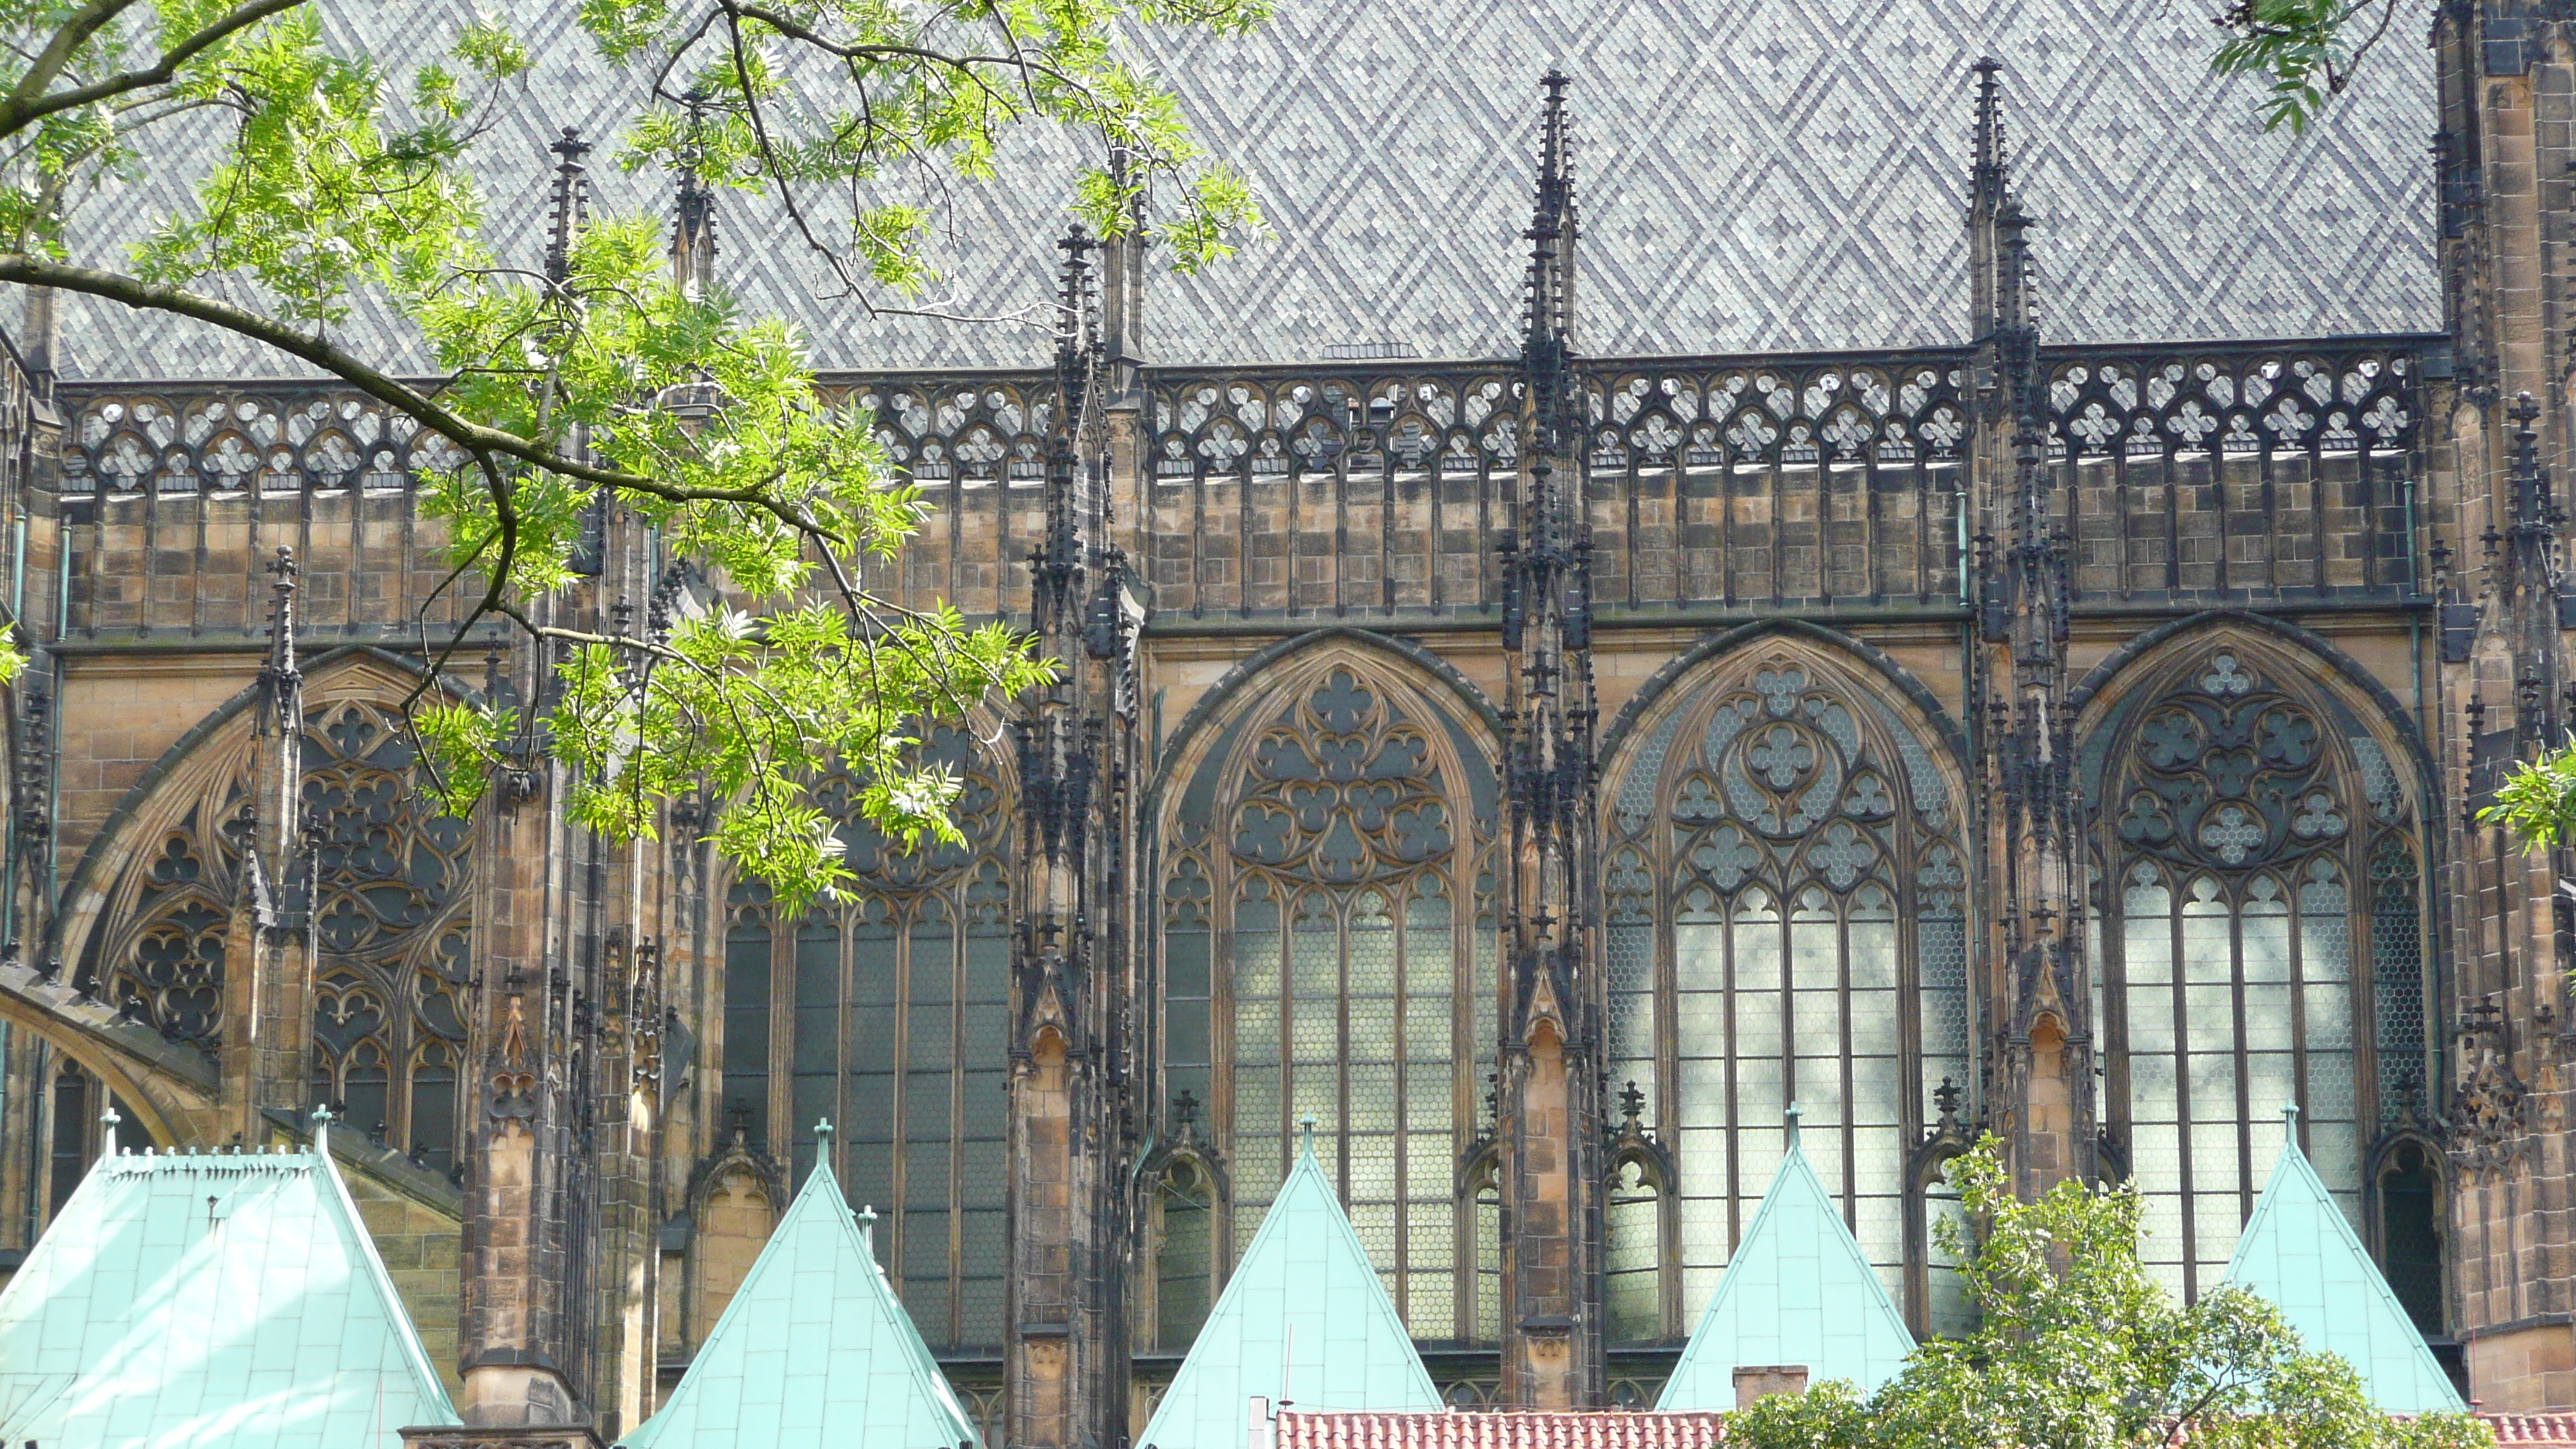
pixel 2260 809
pixel 153 908
pixel 1785 906
pixel 1323 828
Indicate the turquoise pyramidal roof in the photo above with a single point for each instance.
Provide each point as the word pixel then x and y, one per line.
pixel 1303 1318
pixel 210 1301
pixel 814 1349
pixel 2300 1254
pixel 1797 1292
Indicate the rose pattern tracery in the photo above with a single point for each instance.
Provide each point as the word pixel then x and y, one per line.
pixel 2229 771
pixel 1343 789
pixel 1779 776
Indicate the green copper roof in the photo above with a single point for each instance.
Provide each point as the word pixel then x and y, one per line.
pixel 814 1349
pixel 1797 1292
pixel 225 1301
pixel 2299 1253
pixel 1303 1318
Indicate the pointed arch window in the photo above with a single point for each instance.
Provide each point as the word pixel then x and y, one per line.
pixel 1784 899
pixel 1184 1239
pixel 1320 902
pixel 2264 945
pixel 886 1010
pixel 383 885
pixel 2410 1231
pixel 1633 1232
pixel 1484 1199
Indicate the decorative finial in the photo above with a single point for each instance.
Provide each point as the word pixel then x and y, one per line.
pixel 1306 1127
pixel 322 1120
pixel 1795 1112
pixel 823 1135
pixel 571 203
pixel 1632 1103
pixel 107 1121
pixel 693 230
pixel 866 1218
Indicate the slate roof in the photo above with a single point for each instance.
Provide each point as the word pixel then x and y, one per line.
pixel 1303 1319
pixel 225 1301
pixel 1753 174
pixel 814 1349
pixel 2299 1253
pixel 1798 1291
pixel 1608 1429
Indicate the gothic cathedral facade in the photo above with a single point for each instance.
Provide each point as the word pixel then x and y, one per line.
pixel 1539 773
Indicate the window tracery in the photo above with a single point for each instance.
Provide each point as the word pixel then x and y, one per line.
pixel 2266 946
pixel 886 1011
pixel 383 880
pixel 390 934
pixel 1784 896
pixel 1326 921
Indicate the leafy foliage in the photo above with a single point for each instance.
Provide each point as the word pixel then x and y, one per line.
pixel 2306 50
pixel 601 386
pixel 2078 1348
pixel 2537 800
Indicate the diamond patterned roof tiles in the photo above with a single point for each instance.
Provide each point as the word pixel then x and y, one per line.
pixel 229 1301
pixel 1798 1292
pixel 814 1348
pixel 1303 1319
pixel 1754 175
pixel 2299 1253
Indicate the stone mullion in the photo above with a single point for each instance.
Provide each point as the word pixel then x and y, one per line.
pixel 2185 1113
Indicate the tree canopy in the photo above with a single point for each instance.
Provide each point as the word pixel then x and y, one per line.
pixel 2077 1347
pixel 343 180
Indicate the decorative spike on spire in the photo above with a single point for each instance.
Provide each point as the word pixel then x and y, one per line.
pixel 570 207
pixel 1548 348
pixel 1987 180
pixel 693 230
pixel 1993 216
pixel 1077 332
pixel 1056 564
pixel 2533 509
pixel 281 675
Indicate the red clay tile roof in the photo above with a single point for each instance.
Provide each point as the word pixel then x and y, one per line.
pixel 2527 1430
pixel 1452 1429
pixel 1620 1429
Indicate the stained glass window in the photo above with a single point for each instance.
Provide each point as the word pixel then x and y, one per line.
pixel 2242 958
pixel 1323 959
pixel 1785 923
pixel 886 1011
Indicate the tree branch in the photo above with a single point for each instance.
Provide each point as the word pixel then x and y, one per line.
pixel 24 106
pixel 141 295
